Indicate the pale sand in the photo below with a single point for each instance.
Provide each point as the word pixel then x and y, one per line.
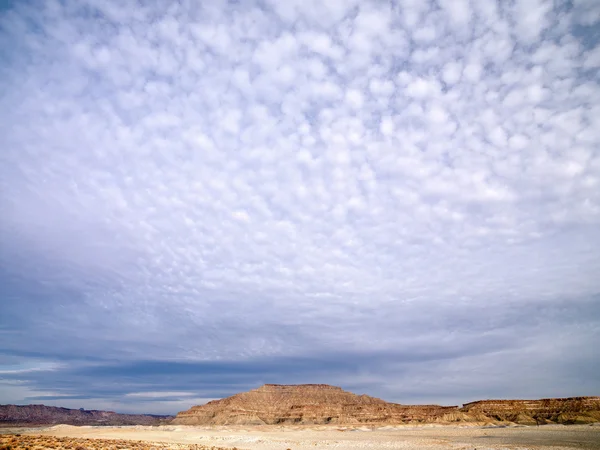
pixel 553 437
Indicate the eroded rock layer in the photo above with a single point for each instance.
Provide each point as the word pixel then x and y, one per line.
pixel 323 404
pixel 306 404
pixel 551 410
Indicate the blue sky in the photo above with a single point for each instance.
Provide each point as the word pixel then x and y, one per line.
pixel 399 198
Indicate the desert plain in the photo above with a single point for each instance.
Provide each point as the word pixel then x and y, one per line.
pixel 182 437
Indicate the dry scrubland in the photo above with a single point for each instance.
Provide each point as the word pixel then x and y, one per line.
pixel 432 437
pixel 41 442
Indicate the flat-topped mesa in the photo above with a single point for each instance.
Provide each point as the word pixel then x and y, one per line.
pixel 306 404
pixel 559 410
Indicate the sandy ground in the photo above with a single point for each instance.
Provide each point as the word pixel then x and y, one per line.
pixel 553 437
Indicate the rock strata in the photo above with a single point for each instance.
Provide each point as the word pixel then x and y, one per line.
pixel 323 404
pixel 307 404
pixel 573 410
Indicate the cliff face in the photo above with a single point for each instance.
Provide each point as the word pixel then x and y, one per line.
pixel 50 415
pixel 531 412
pixel 306 404
pixel 324 404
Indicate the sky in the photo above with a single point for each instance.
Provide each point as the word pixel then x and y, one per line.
pixel 398 198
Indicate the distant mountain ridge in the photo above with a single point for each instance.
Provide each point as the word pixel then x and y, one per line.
pixel 323 404
pixel 17 415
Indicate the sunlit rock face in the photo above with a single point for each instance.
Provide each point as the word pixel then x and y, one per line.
pixel 306 404
pixel 323 404
pixel 559 410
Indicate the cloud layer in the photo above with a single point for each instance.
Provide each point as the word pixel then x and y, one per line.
pixel 401 198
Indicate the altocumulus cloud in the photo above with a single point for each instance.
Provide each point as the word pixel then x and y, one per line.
pixel 402 198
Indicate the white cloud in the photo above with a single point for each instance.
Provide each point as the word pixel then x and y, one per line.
pixel 354 98
pixel 531 18
pixel 459 12
pixel 160 394
pixel 387 126
pixel 420 88
pixel 30 367
pixel 452 72
pixel 472 72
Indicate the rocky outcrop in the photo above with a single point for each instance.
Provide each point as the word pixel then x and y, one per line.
pixel 324 404
pixel 307 404
pixel 531 412
pixel 15 415
pixel 320 404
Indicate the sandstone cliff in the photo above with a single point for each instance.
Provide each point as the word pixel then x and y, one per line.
pixel 15 415
pixel 324 404
pixel 530 412
pixel 307 404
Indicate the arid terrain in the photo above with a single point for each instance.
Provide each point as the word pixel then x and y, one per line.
pixel 322 404
pixel 19 441
pixel 431 437
pixel 296 417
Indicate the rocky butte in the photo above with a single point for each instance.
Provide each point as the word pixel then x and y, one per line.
pixel 323 404
pixel 309 404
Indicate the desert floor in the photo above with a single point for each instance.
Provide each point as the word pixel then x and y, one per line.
pixel 552 437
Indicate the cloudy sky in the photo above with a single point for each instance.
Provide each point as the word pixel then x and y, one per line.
pixel 399 198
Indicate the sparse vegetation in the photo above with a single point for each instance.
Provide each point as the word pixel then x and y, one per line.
pixel 26 442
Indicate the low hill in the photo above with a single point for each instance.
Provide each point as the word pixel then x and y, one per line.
pixel 572 410
pixel 16 415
